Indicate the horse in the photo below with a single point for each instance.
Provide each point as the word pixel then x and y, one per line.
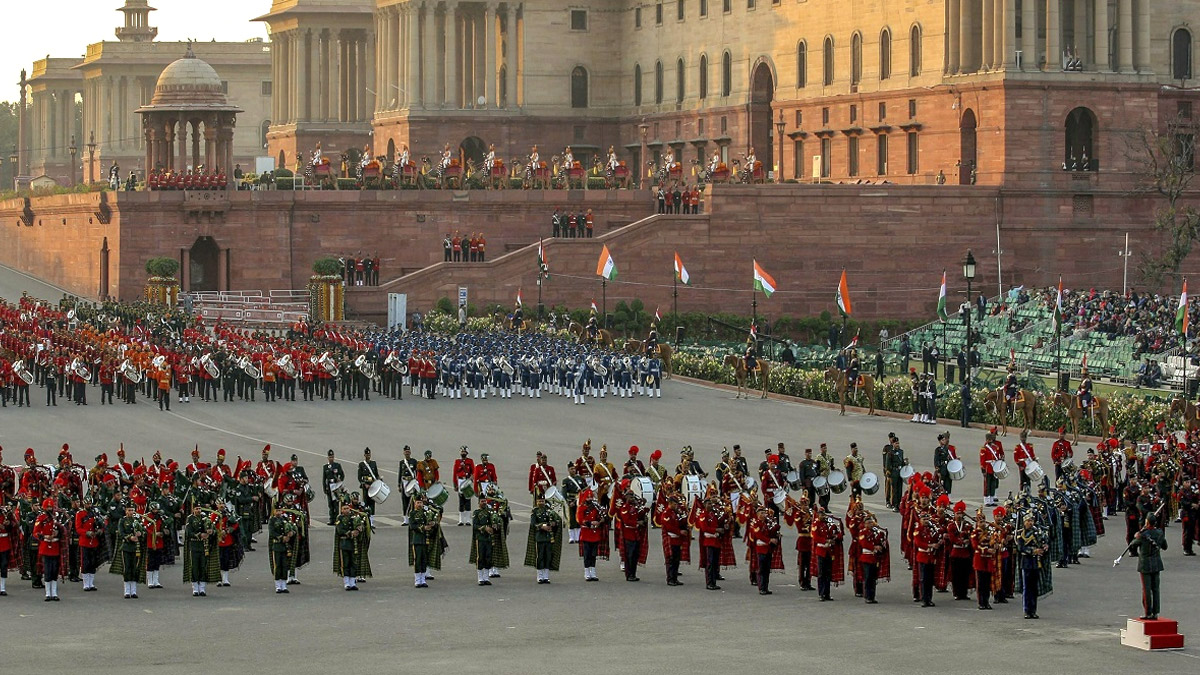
pixel 604 337
pixel 837 377
pixel 1026 403
pixel 1189 411
pixel 740 374
pixel 1070 402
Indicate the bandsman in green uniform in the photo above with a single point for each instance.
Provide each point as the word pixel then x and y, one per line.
pixel 543 549
pixel 130 560
pixel 200 564
pixel 281 533
pixel 352 535
pixel 1146 544
pixel 332 478
pixel 425 543
pixel 488 549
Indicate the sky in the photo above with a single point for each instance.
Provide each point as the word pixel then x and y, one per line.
pixel 64 28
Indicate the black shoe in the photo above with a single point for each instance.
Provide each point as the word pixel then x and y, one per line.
pixel 203 594
pixel 422 585
pixel 1001 601
pixel 720 578
pixel 126 596
pixel 713 587
pixel 1028 616
pixel 284 590
pixel 48 599
pixel 764 593
pixel 134 596
pixel 55 598
pixel 278 591
pixel 872 602
pixel 632 579
pixel 592 579
pixel 928 604
pixel 983 607
pixel 672 583
pixel 354 588
pixel 195 594
pixel 1038 617
pixel 3 593
pixel 1189 553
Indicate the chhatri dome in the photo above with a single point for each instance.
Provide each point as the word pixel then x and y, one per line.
pixel 189 82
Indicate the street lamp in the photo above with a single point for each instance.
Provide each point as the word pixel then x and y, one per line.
pixel 969 275
pixel 91 146
pixel 74 150
pixel 1125 253
pixel 779 160
pixel 12 161
pixel 644 129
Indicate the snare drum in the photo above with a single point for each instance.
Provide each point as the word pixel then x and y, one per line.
pixel 869 483
pixel 411 487
pixel 780 499
pixel 793 479
pixel 643 487
pixel 466 488
pixel 437 494
pixel 693 486
pixel 1000 469
pixel 553 493
pixel 749 482
pixel 821 486
pixel 907 471
pixel 1067 461
pixel 1034 472
pixel 956 469
pixel 838 482
pixel 378 491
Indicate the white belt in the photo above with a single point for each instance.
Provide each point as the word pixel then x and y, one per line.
pixel 711 536
pixel 759 542
pixel 673 535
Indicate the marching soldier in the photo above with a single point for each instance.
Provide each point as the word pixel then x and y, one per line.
pixel 854 470
pixel 368 472
pixel 349 532
pixel 200 563
pixel 423 536
pixel 130 560
pixel 464 470
pixel 543 549
pixel 280 533
pixel 332 475
pixel 1022 456
pixel 571 487
pixel 1146 545
pixel 408 476
pixel 488 549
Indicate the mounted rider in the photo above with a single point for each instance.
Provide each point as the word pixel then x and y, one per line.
pixel 446 156
pixel 518 317
pixel 612 158
pixel 489 161
pixel 852 367
pixel 749 356
pixel 652 341
pixel 1011 388
pixel 592 330
pixel 1085 389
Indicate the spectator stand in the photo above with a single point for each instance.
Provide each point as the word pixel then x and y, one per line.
pixel 275 310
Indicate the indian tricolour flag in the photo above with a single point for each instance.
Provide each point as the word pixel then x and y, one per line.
pixel 1181 314
pixel 843 296
pixel 518 297
pixel 763 281
pixel 606 267
pixel 941 307
pixel 543 268
pixel 1058 308
pixel 681 273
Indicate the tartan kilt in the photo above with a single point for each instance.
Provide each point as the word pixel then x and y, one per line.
pixel 499 551
pixel 118 563
pixel 233 554
pixel 776 558
pixel 436 550
pixel 1045 580
pixel 853 564
pixel 728 558
pixel 839 565
pixel 555 550
pixel 885 564
pixel 362 557
pixel 643 537
pixel 685 548
pixel 1097 519
pixel 212 573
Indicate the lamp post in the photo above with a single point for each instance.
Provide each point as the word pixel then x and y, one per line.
pixel 13 157
pixel 644 129
pixel 74 150
pixel 1125 253
pixel 91 146
pixel 969 275
pixel 779 159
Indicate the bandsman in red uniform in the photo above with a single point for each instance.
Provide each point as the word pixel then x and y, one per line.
pixel 1023 454
pixel 464 470
pixel 51 548
pixel 985 559
pixel 633 528
pixel 1061 452
pixel 958 538
pixel 672 516
pixel 927 542
pixel 800 517
pixel 593 534
pixel 485 475
pixel 989 453
pixel 715 525
pixel 541 476
pixel 763 538
pixel 89 527
pixel 873 556
pixel 828 556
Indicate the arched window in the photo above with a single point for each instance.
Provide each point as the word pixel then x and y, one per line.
pixel 680 81
pixel 914 51
pixel 885 54
pixel 703 76
pixel 827 61
pixel 726 74
pixel 801 65
pixel 1181 54
pixel 579 87
pixel 658 82
pixel 856 58
pixel 1082 140
pixel 637 84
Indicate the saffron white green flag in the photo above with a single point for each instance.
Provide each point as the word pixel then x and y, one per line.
pixel 606 267
pixel 763 281
pixel 941 307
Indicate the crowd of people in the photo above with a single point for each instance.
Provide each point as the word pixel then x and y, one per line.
pixel 457 248
pixel 360 269
pixel 1147 318
pixel 677 198
pixel 571 224
pixel 192 179
pixel 64 520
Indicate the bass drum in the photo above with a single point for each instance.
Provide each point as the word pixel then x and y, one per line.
pixel 643 487
pixel 869 483
pixel 837 482
pixel 693 487
pixel 956 469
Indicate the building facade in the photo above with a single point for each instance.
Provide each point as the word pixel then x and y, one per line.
pixel 905 91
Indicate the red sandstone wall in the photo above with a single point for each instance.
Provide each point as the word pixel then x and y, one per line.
pixel 63 243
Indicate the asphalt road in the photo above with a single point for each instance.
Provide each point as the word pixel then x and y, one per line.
pixel 517 625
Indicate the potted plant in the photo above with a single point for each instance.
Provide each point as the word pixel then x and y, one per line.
pixel 327 290
pixel 162 287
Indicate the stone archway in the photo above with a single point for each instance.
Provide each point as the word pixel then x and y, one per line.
pixel 967 146
pixel 391 152
pixel 202 269
pixel 472 149
pixel 762 92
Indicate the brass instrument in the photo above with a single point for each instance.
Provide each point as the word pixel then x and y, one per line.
pixel 22 372
pixel 209 365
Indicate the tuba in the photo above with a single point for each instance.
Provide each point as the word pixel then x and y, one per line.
pixel 22 372
pixel 159 362
pixel 392 361
pixel 80 369
pixel 326 361
pixel 597 366
pixel 506 366
pixel 285 364
pixel 130 371
pixel 209 365
pixel 249 368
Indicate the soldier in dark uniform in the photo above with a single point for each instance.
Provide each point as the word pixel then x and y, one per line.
pixel 652 341
pixel 852 368
pixel 545 531
pixel 1146 544
pixel 593 331
pixel 750 356
pixel 1011 389
pixel 368 472
pixel 1085 389
pixel 408 474
pixel 421 533
pixel 808 472
pixel 346 530
pixel 941 457
pixel 518 318
pixel 280 533
pixel 331 473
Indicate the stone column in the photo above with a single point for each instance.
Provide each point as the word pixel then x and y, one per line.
pixel 1053 37
pixel 168 160
pixel 366 77
pixel 210 145
pixel 1101 55
pixel 450 56
pixel 1080 30
pixel 952 36
pixel 518 92
pixel 491 26
pixel 428 54
pixel 479 57
pixel 340 73
pixel 322 85
pixel 285 78
pixel 1029 57
pixel 1143 37
pixel 196 143
pixel 510 60
pixel 301 80
pixel 412 57
pixel 466 42
pixel 987 41
pixel 182 135
pixel 1006 33
pixel 1125 37
pixel 966 61
pixel 148 133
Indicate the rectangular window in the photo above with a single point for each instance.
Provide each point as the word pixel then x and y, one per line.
pixel 579 19
pixel 799 119
pixel 826 160
pixel 749 4
pixel 679 130
pixel 852 147
pixel 1185 151
pixel 658 14
pixel 726 6
pixel 912 108
pixel 724 124
pixel 853 113
pixel 881 160
pixel 825 116
pixel 914 149
pixel 797 159
pixel 1185 109
pixel 700 126
pixel 266 88
pixel 703 8
pixel 637 17
pixel 679 10
pixel 882 111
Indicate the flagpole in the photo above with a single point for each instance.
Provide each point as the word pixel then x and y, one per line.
pixel 604 302
pixel 675 305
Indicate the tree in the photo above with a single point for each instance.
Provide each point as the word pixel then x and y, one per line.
pixel 1166 164
pixel 8 128
pixel 162 267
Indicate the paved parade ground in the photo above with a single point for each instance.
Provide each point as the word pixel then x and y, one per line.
pixel 517 626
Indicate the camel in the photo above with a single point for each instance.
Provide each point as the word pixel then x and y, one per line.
pixel 1026 403
pixel 738 363
pixel 837 377
pixel 1099 411
pixel 1180 406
